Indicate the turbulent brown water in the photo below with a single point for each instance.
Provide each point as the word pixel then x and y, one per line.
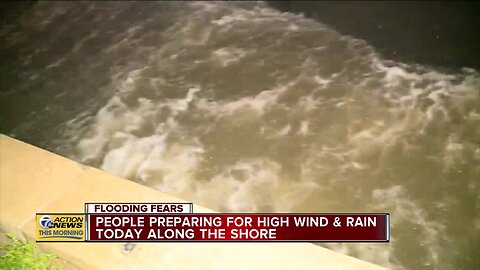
pixel 240 107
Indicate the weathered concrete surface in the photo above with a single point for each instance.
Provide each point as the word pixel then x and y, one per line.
pixel 30 179
pixel 33 180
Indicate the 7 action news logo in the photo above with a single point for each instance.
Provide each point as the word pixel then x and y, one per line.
pixel 60 227
pixel 46 222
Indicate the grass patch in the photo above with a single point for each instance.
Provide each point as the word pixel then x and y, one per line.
pixel 17 255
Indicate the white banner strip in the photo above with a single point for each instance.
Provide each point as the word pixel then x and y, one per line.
pixel 138 208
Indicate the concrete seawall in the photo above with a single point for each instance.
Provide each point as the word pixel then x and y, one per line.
pixel 33 180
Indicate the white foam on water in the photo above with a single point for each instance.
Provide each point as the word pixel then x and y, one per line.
pixel 327 132
pixel 172 169
pixel 429 234
pixel 259 103
pixel 321 80
pixel 304 127
pixel 403 214
pixel 229 19
pixel 252 185
pixel 131 154
pixel 227 56
pixel 284 131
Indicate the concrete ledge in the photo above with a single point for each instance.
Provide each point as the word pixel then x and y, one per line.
pixel 33 180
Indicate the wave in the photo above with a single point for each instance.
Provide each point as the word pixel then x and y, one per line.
pixel 240 107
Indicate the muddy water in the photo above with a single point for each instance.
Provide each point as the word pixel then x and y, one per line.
pixel 240 107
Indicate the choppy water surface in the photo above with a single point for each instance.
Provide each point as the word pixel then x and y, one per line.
pixel 240 107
